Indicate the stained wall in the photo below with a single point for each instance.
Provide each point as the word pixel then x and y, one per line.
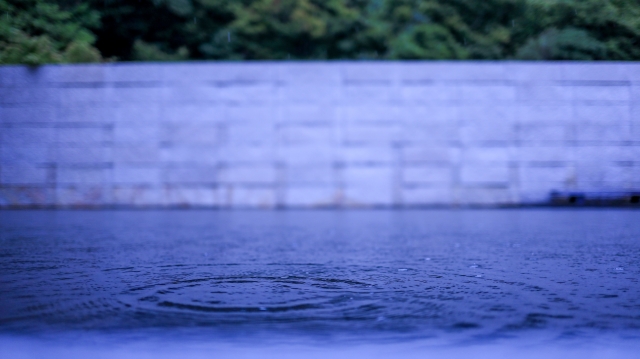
pixel 294 134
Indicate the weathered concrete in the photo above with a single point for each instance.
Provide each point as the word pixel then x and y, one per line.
pixel 263 134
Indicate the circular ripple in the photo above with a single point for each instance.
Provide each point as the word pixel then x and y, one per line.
pixel 252 294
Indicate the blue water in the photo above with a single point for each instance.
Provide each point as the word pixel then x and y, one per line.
pixel 463 276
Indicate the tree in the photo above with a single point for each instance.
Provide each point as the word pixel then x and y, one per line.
pixel 581 30
pixel 35 32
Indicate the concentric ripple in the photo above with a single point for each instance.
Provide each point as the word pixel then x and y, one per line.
pixel 251 294
pixel 480 273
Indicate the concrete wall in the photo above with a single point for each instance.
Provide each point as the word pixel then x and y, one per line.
pixel 316 134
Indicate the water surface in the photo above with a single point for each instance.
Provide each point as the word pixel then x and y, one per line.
pixel 369 276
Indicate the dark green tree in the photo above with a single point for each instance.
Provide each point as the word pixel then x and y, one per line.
pixel 580 30
pixel 35 32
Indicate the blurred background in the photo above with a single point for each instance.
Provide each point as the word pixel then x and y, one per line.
pixel 53 31
pixel 264 118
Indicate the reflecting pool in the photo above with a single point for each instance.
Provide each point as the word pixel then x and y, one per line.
pixel 464 277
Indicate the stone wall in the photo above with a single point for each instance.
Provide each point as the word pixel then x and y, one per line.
pixel 290 134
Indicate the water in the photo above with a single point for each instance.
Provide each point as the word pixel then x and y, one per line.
pixel 464 277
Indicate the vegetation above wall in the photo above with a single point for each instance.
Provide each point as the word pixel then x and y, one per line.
pixel 34 32
pixel 49 31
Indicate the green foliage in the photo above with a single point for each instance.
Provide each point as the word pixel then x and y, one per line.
pixel 29 50
pixel 586 29
pixel 35 32
pixel 563 44
pixel 79 51
pixel 279 29
pixel 143 51
pixel 427 41
pixel 40 31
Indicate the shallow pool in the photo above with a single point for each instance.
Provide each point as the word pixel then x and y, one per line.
pixel 460 276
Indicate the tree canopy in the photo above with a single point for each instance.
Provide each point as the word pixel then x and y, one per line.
pixel 44 31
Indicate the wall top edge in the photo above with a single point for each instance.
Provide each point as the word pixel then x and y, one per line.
pixel 332 62
pixel 318 72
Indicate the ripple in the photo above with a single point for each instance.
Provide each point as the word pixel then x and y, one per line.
pixel 251 294
pixel 283 271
